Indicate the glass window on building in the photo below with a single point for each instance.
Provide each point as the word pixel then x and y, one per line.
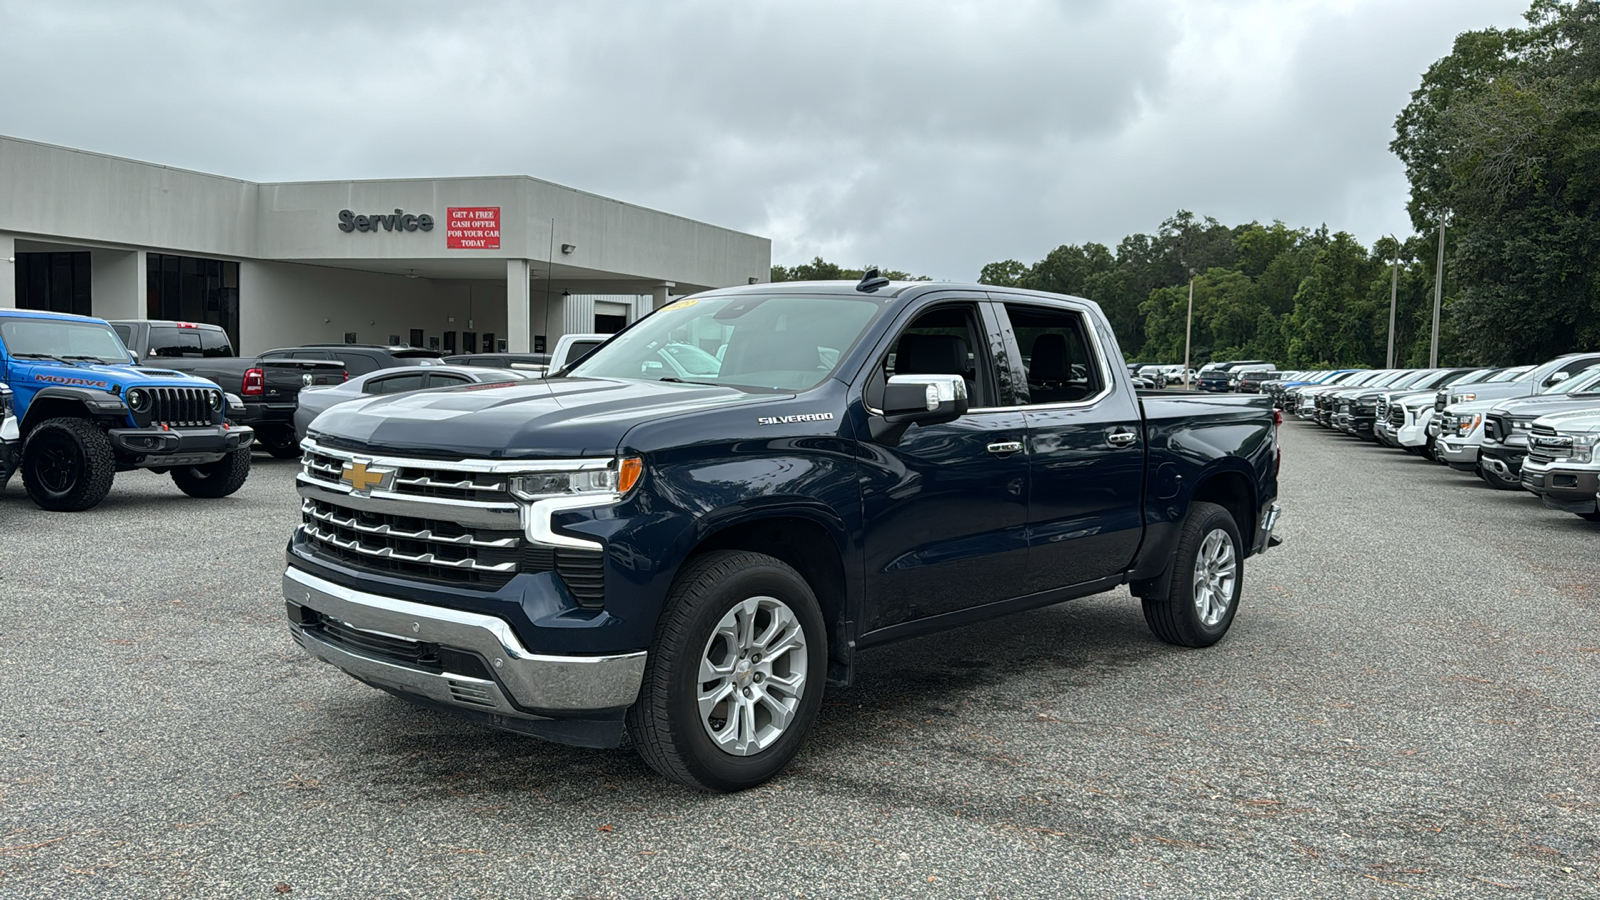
pixel 53 282
pixel 190 289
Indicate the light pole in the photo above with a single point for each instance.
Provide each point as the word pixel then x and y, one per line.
pixel 1394 291
pixel 1438 294
pixel 1188 330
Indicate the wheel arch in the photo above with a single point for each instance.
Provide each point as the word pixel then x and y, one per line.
pixel 57 403
pixel 810 541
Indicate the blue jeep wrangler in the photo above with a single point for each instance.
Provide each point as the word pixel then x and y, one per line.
pixel 85 410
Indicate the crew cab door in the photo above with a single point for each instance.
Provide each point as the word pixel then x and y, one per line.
pixel 1085 443
pixel 945 506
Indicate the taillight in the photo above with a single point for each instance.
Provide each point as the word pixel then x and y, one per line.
pixel 1277 418
pixel 346 375
pixel 255 383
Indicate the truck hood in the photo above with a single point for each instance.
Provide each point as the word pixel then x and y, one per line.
pixel 1472 406
pixel 1496 391
pixel 1577 420
pixel 101 377
pixel 546 418
pixel 1534 407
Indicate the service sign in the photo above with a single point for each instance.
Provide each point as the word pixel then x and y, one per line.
pixel 472 228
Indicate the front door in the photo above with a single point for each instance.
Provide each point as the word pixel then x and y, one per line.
pixel 1086 443
pixel 945 509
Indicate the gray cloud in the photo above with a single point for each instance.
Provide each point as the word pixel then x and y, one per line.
pixel 932 137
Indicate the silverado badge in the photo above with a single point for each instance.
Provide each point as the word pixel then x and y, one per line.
pixel 362 479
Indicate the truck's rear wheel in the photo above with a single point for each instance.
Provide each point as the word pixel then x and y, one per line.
pixel 67 465
pixel 735 675
pixel 212 480
pixel 1202 593
pixel 280 442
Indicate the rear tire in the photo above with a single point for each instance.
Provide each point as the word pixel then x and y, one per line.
pixel 214 480
pixel 280 442
pixel 735 674
pixel 67 465
pixel 1202 592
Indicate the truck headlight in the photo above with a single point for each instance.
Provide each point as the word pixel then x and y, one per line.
pixel 216 400
pixel 1583 447
pixel 7 401
pixel 1468 424
pixel 138 400
pixel 1463 398
pixel 616 479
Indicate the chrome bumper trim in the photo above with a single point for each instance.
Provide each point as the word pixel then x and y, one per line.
pixel 531 681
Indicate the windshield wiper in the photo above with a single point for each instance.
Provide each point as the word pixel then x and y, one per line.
pixel 97 359
pixel 39 356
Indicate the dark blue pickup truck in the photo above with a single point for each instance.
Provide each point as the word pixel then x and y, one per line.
pixel 694 558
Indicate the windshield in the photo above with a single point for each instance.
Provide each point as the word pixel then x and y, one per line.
pixel 62 339
pixel 1516 374
pixel 758 342
pixel 1581 383
pixel 1429 380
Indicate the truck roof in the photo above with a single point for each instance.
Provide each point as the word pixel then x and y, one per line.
pixel 41 314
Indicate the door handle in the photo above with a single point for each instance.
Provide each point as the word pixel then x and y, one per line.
pixel 1005 448
pixel 1121 437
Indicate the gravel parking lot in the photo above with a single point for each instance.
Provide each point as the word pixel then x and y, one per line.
pixel 1407 702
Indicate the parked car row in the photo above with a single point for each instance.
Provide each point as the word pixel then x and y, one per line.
pixel 1528 428
pixel 82 399
pixel 1236 376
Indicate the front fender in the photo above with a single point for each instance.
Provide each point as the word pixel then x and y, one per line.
pixel 47 403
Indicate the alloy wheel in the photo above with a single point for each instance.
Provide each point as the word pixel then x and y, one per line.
pixel 752 675
pixel 1216 571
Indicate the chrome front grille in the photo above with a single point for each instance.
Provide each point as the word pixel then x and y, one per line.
pixel 420 480
pixel 450 523
pixel 180 407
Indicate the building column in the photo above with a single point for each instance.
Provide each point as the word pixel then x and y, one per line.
pixel 8 271
pixel 660 293
pixel 518 290
pixel 118 284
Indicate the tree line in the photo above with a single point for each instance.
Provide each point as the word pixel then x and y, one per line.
pixel 1501 141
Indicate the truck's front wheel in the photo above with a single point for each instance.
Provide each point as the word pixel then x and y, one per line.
pixel 1202 592
pixel 67 465
pixel 213 480
pixel 735 676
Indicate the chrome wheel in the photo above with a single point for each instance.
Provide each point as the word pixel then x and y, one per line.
pixel 1216 572
pixel 752 675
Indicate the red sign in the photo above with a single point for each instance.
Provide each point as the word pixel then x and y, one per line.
pixel 472 228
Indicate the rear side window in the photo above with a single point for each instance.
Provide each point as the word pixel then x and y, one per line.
pixel 359 364
pixel 1057 354
pixel 395 384
pixel 214 343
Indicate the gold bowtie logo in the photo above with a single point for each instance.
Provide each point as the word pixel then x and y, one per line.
pixel 360 478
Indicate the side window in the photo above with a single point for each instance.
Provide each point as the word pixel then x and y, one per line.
pixel 358 364
pixel 125 332
pixel 941 341
pixel 396 384
pixel 215 343
pixel 446 379
pixel 1057 353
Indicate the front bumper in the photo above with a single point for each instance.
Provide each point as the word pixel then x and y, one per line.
pixel 10 448
pixel 1458 453
pixel 163 447
pixel 1565 487
pixel 468 663
pixel 1503 460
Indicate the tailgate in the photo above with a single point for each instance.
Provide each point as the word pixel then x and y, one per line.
pixel 285 377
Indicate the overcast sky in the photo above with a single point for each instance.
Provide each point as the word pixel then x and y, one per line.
pixel 925 136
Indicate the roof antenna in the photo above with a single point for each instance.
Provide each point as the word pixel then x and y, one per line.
pixel 871 281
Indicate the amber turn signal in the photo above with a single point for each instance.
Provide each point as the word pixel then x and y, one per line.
pixel 628 473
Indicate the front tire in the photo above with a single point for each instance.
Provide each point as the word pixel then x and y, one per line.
pixel 67 465
pixel 735 675
pixel 1202 592
pixel 213 480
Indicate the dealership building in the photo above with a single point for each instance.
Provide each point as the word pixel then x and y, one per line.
pixel 457 264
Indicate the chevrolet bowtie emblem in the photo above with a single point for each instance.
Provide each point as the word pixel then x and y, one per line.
pixel 361 479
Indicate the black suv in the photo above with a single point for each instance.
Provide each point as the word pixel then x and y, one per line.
pixel 359 359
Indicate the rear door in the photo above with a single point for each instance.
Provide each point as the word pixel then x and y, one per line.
pixel 1085 443
pixel 946 507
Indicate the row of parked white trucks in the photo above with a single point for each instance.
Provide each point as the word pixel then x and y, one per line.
pixel 1531 428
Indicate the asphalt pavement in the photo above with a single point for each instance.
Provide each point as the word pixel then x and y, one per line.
pixel 1406 705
